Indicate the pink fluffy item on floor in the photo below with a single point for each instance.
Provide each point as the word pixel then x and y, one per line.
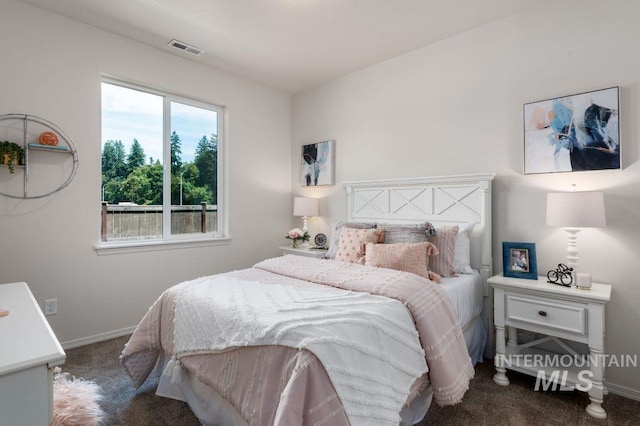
pixel 76 402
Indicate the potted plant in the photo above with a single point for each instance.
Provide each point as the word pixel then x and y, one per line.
pixel 296 235
pixel 11 154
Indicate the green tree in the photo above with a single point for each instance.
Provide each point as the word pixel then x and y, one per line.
pixel 136 156
pixel 195 195
pixel 113 160
pixel 144 185
pixel 176 152
pixel 189 174
pixel 128 178
pixel 112 190
pixel 114 171
pixel 206 160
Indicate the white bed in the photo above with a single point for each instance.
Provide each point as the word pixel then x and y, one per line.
pixel 441 201
pixel 466 293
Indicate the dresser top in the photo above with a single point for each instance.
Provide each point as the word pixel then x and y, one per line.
pixel 598 292
pixel 26 339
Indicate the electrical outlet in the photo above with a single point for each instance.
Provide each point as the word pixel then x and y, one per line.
pixel 51 306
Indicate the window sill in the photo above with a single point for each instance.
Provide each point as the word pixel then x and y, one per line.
pixel 156 245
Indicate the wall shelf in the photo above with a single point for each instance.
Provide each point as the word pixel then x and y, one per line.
pixel 24 129
pixel 48 147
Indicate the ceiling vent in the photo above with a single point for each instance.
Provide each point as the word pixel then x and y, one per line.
pixel 185 47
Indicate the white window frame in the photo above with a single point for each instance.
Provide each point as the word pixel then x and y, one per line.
pixel 169 241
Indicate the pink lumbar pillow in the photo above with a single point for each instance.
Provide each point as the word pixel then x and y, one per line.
pixel 407 257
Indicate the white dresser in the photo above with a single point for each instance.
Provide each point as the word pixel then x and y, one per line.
pixel 28 352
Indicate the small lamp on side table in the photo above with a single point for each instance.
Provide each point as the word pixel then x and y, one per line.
pixel 306 208
pixel 573 211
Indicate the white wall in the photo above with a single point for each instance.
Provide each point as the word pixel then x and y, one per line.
pixel 51 68
pixel 456 107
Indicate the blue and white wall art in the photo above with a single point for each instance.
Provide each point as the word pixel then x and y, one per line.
pixel 573 133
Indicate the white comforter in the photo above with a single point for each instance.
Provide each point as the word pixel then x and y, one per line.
pixel 372 358
pixel 270 385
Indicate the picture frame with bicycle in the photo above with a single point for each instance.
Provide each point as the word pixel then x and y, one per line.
pixel 519 260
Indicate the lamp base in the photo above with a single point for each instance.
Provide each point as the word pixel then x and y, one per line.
pixel 305 230
pixel 572 250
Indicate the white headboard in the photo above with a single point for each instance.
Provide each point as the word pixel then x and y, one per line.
pixel 441 200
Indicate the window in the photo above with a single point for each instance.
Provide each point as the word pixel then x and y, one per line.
pixel 160 167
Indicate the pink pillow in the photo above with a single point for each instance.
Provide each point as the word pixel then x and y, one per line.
pixel 401 257
pixel 352 242
pixel 445 240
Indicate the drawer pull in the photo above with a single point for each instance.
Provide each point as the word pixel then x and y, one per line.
pixel 542 313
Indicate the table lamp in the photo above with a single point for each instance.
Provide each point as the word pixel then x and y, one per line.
pixel 573 211
pixel 305 207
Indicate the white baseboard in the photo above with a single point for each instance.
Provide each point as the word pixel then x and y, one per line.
pixel 623 391
pixel 97 338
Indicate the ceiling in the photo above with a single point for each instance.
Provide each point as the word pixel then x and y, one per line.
pixel 292 45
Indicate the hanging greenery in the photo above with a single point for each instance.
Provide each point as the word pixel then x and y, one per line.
pixel 11 154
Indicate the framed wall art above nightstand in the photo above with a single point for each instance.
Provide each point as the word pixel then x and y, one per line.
pixel 573 133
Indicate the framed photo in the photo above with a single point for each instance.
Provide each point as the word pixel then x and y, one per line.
pixel 573 133
pixel 519 260
pixel 317 164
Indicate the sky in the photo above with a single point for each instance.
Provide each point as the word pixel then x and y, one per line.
pixel 129 114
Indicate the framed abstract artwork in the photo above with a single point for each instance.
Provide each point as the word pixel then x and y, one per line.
pixel 519 260
pixel 573 133
pixel 317 164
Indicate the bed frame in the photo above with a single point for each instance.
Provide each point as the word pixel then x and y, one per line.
pixel 441 200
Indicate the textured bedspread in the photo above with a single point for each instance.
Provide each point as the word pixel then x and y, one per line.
pixel 295 387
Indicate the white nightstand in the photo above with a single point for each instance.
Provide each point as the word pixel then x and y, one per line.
pixel 305 251
pixel 562 314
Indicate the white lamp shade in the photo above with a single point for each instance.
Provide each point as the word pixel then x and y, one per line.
pixel 303 206
pixel 576 209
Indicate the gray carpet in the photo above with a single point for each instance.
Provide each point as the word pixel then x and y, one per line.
pixel 484 404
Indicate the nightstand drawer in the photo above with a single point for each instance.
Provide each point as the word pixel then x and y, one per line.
pixel 545 314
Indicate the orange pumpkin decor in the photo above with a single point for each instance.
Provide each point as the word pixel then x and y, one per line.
pixel 48 138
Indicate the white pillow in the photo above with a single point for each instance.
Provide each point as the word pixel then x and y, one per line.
pixel 462 255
